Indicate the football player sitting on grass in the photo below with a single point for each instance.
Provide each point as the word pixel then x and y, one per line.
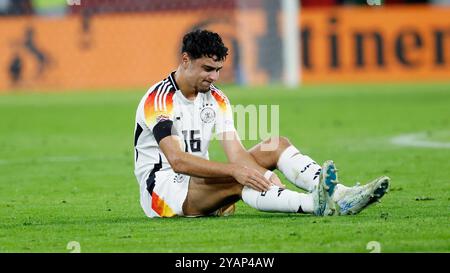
pixel 175 121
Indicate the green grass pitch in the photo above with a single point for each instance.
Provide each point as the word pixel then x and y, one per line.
pixel 66 173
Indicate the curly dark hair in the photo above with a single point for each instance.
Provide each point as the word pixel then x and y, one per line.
pixel 204 43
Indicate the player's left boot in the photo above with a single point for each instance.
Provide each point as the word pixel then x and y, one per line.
pixel 353 200
pixel 226 210
pixel 323 204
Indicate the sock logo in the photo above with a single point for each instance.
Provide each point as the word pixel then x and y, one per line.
pixel 317 174
pixel 280 190
pixel 307 166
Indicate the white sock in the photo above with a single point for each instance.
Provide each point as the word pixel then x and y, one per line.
pixel 299 169
pixel 278 200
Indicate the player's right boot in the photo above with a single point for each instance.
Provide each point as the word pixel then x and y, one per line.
pixel 353 200
pixel 346 200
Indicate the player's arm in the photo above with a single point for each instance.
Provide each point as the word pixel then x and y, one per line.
pixel 185 163
pixel 236 153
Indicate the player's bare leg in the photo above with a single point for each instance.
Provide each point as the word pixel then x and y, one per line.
pixel 267 153
pixel 206 196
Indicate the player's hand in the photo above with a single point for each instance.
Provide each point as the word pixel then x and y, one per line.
pixel 250 177
pixel 274 179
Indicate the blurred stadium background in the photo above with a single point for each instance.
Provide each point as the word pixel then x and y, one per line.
pixel 363 71
pixel 67 44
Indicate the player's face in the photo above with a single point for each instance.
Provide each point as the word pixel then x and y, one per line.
pixel 203 72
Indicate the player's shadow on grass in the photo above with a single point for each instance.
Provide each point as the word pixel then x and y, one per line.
pixel 142 220
pixel 243 217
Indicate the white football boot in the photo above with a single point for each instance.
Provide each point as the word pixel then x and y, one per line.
pixel 353 200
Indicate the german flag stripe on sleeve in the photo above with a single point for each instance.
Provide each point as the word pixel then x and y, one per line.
pixel 159 102
pixel 220 98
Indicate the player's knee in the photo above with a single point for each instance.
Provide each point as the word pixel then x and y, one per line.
pixel 284 142
pixel 280 142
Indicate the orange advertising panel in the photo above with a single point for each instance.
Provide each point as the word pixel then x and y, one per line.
pixel 376 44
pixel 136 50
pixel 113 51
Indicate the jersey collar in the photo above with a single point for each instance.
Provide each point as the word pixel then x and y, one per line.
pixel 174 84
pixel 172 80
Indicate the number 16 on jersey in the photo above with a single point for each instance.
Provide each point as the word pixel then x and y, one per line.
pixel 192 136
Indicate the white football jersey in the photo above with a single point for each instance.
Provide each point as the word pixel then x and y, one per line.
pixel 195 122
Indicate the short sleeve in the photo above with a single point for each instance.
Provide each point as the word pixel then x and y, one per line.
pixel 158 107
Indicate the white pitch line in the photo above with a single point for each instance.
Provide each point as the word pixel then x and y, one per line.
pixel 418 140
